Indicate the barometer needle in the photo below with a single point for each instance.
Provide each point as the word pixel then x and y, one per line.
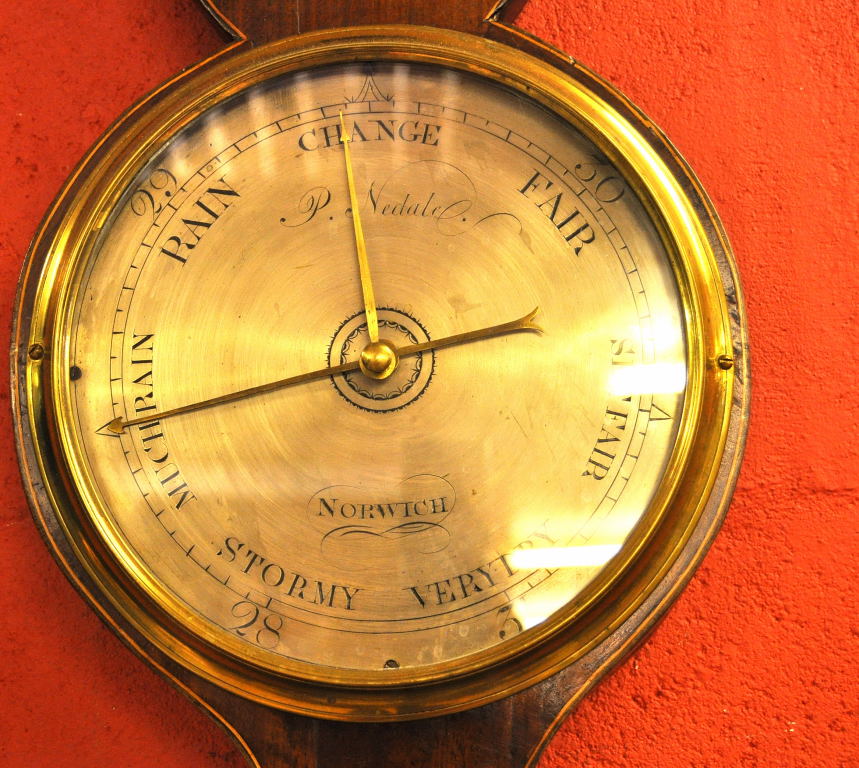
pixel 526 323
pixel 363 264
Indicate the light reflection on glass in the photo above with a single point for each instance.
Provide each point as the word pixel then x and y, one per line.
pixel 266 152
pixel 653 378
pixel 665 335
pixel 532 612
pixel 215 134
pixel 589 556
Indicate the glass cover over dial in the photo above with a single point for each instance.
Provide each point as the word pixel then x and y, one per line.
pixel 424 505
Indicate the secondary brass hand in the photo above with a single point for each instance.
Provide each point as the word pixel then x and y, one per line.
pixel 363 264
pixel 526 323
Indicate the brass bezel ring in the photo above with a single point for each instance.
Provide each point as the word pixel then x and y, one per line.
pixel 687 508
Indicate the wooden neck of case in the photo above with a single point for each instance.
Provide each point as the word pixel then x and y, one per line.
pixel 262 21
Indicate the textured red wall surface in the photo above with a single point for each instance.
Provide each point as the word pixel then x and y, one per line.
pixel 756 663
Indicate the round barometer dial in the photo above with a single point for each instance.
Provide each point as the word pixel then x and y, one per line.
pixel 379 375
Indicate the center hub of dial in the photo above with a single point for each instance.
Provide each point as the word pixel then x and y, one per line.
pixel 385 382
pixel 379 359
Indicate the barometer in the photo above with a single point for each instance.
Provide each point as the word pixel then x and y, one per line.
pixel 378 375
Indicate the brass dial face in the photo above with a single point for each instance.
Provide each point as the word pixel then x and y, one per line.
pixel 438 478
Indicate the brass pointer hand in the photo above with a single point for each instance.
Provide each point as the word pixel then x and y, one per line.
pixel 363 264
pixel 118 426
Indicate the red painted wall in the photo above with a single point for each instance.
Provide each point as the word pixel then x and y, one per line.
pixel 756 664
